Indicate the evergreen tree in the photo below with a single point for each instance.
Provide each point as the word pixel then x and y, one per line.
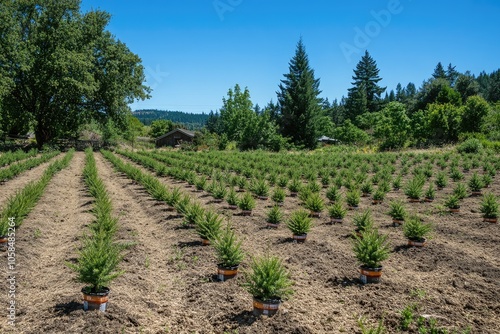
pixel 452 75
pixel 439 72
pixel 299 102
pixel 365 90
pixel 467 86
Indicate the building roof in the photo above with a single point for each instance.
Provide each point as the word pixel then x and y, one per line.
pixel 327 139
pixel 184 131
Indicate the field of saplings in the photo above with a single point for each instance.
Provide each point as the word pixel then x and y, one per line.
pixel 329 241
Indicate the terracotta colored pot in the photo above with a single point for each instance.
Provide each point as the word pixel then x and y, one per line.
pixel 417 243
pixel 457 210
pixel 336 220
pixel 273 225
pixel 414 200
pixel 265 307
pixel 490 220
pixel 293 194
pixel 205 242
pixel 264 198
pixel 246 212
pixel 300 238
pixel 233 207
pixel 397 222
pixel 315 214
pixel 376 201
pixel 3 243
pixel 95 300
pixel 226 273
pixel 428 200
pixel 370 275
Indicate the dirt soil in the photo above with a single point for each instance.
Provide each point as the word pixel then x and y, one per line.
pixel 169 284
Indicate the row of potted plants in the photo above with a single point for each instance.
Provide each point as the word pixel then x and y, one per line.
pixel 9 157
pixel 17 168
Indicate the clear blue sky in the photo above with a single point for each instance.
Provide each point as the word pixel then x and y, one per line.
pixel 195 50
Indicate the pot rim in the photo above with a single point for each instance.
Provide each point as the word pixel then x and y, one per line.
pixel 221 266
pixel 103 292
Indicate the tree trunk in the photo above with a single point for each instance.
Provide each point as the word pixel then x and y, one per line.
pixel 42 136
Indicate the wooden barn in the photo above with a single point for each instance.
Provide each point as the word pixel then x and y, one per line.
pixel 175 137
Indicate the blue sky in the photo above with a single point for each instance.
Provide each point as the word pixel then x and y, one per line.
pixel 195 50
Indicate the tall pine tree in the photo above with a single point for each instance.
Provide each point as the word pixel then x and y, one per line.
pixel 298 101
pixel 365 95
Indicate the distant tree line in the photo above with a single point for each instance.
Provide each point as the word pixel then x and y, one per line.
pixel 447 107
pixel 187 120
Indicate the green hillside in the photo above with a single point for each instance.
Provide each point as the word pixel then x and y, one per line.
pixel 190 121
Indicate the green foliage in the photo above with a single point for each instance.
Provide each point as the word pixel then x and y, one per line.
pixel 371 248
pixel 209 226
pixel 9 157
pixel 452 202
pixel 247 202
pixel 294 185
pixel 314 202
pixel 430 193
pixel 20 204
pixel 379 195
pixel 367 188
pixel 475 183
pixel 333 194
pixel 353 197
pixel 348 133
pixel 379 329
pixel 460 191
pixel 232 197
pixel 441 180
pixel 68 67
pixel 471 145
pixel 414 187
pixel 337 210
pixel 299 102
pixel 275 215
pixel 228 248
pixel 415 229
pixel 260 188
pixel 17 168
pixel 278 195
pixel 160 127
pixel 393 126
pixel 194 214
pixel 474 113
pixel 407 315
pixel 489 206
pixel 363 221
pixel 268 279
pixel 444 121
pixel 299 223
pixel 397 210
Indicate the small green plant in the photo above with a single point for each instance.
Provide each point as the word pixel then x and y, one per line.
pixel 242 183
pixel 247 202
pixel 278 195
pixel 475 183
pixel 314 187
pixel 407 317
pixel 353 197
pixel 379 329
pixel 487 180
pixel 37 234
pixel 379 195
pixel 397 182
pixel 452 202
pixel 337 210
pixel 415 229
pixel 260 188
pixel 219 191
pixel 397 210
pixel 228 248
pixel 209 226
pixel 333 194
pixel 489 206
pixel 268 279
pixel 275 215
pixel 325 180
pixel 414 187
pixel 363 221
pixel 314 202
pixel 232 197
pixel 455 174
pixel 441 180
pixel 194 213
pixel 371 248
pixel 200 183
pixel 300 223
pixel 430 193
pixel 367 188
pixel 282 181
pixel 460 191
pixel 294 185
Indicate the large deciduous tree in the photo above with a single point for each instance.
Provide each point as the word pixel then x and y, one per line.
pixel 298 101
pixel 63 68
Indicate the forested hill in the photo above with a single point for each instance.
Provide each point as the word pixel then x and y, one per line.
pixel 190 121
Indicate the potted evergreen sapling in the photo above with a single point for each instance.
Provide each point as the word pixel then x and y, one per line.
pixel 232 199
pixel 333 194
pixel 278 196
pixel 96 266
pixel 489 208
pixel 475 184
pixel 274 217
pixel 246 204
pixel 352 198
pixel 299 224
pixel 261 189
pixel 430 193
pixel 315 204
pixel 378 196
pixel 294 187
pixel 367 189
pixel 397 212
pixel 414 188
pixel 269 284
pixel 371 249
pixel 416 231
pixel 337 212
pixel 453 203
pixel 229 254
pixel 362 221
pixel 208 227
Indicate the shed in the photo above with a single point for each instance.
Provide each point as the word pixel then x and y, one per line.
pixel 175 137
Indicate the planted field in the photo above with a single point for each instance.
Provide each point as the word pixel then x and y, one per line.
pixel 162 201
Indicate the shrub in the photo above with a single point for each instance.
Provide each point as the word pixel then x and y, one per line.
pixel 208 227
pixel 337 210
pixel 282 181
pixel 430 193
pixel 363 221
pixel 475 183
pixel 379 195
pixel 471 145
pixel 371 248
pixel 260 188
pixel 353 197
pixel 228 248
pixel 397 210
pixel 299 223
pixel 275 215
pixel 194 213
pixel 268 279
pixel 441 180
pixel 232 197
pixel 455 174
pixel 396 183
pixel 460 191
pixel 278 195
pixel 333 194
pixel 247 202
pixel 414 187
pixel 452 202
pixel 489 206
pixel 367 188
pixel 415 229
pixel 314 202
pixel 294 185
